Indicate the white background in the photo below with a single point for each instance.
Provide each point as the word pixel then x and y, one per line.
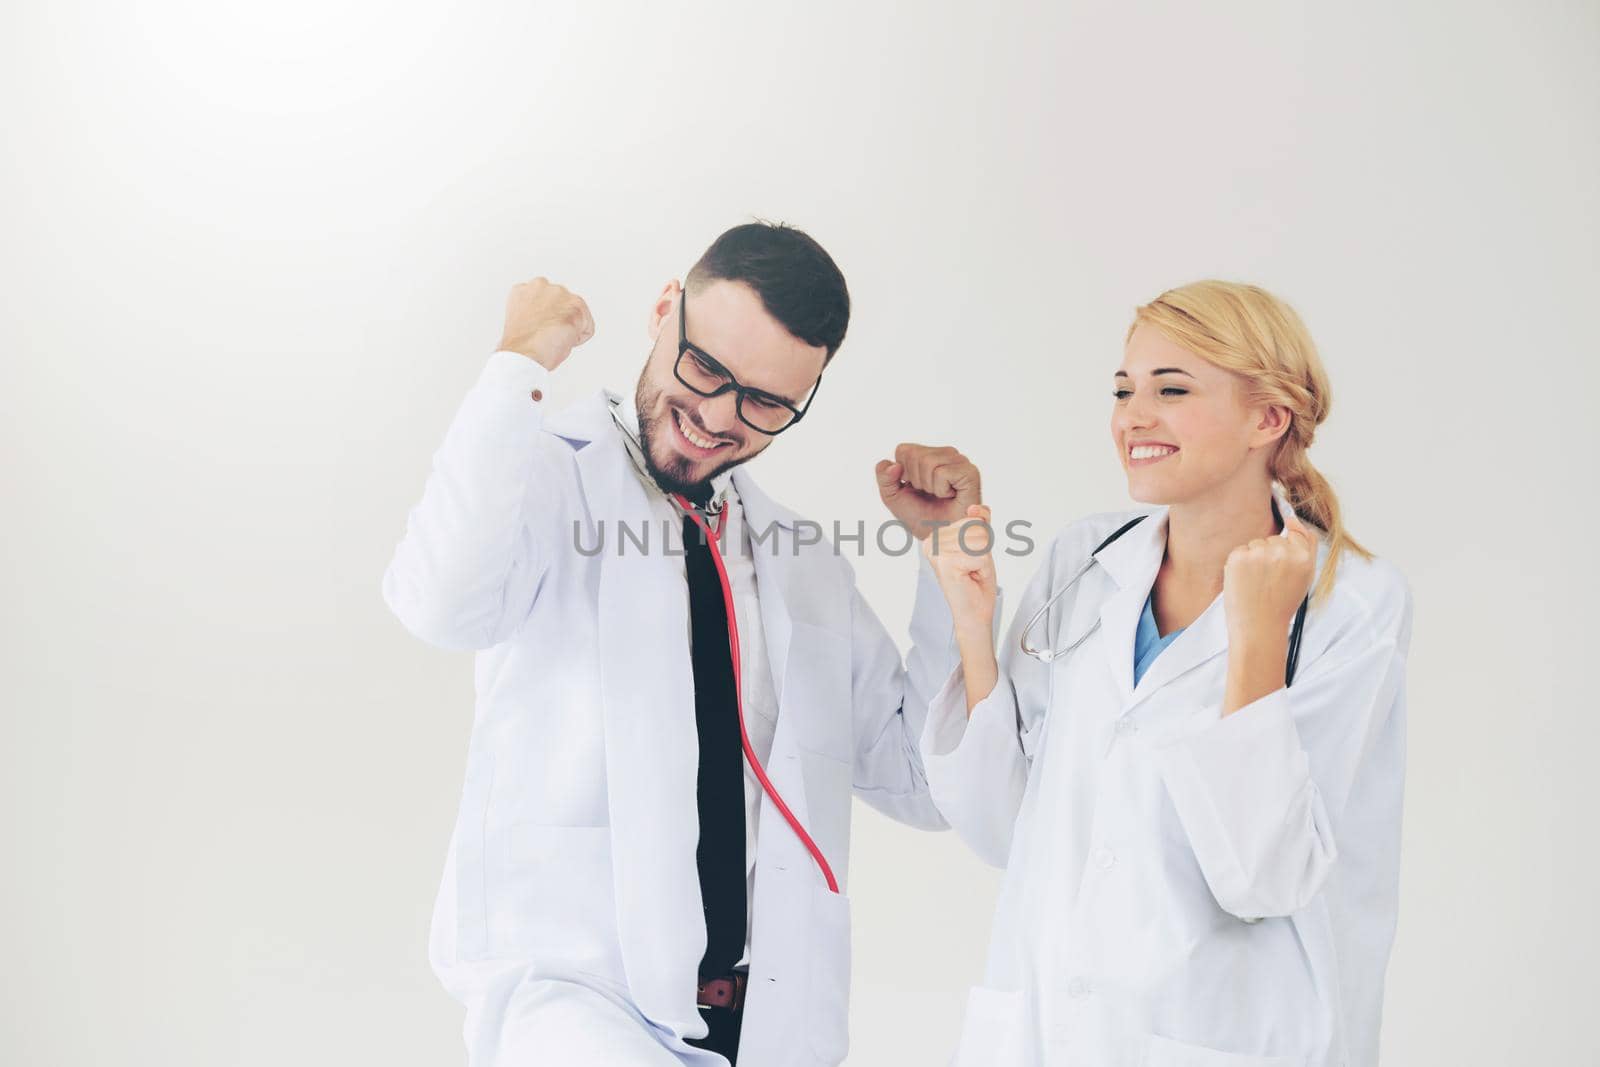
pixel 253 255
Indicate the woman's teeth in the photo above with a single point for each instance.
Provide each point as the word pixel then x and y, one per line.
pixel 692 437
pixel 1150 451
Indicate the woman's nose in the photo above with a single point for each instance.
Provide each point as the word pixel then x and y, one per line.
pixel 1134 414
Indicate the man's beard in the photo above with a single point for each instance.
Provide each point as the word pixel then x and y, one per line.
pixel 674 477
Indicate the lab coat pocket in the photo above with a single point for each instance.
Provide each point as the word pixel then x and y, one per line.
pixel 993 1032
pixel 1165 1052
pixel 828 985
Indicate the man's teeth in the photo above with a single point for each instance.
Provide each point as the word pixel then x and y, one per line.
pixel 694 438
pixel 1150 451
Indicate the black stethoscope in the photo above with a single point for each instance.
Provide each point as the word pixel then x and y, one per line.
pixel 1046 655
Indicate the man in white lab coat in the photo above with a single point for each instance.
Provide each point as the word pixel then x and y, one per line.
pixel 621 888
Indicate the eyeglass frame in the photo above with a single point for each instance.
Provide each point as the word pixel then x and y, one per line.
pixel 685 345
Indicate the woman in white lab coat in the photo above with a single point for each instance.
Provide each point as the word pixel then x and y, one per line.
pixel 1201 863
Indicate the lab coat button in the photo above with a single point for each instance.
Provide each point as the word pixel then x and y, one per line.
pixel 1078 988
pixel 1104 858
pixel 537 394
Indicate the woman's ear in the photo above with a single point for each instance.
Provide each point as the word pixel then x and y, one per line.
pixel 1273 424
pixel 662 309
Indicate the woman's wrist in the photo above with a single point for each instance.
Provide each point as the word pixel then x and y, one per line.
pixel 974 630
pixel 1255 667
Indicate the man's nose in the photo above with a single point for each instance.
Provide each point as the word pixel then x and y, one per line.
pixel 719 413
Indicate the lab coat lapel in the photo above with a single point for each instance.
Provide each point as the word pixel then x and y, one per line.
pixel 1132 561
pixel 774 558
pixel 766 520
pixel 1202 639
pixel 647 685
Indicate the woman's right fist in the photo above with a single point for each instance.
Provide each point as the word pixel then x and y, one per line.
pixel 545 322
pixel 961 559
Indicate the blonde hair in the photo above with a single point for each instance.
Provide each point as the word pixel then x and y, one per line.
pixel 1246 330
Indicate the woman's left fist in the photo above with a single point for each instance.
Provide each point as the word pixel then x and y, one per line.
pixel 1263 581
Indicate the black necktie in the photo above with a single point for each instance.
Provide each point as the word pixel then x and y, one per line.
pixel 720 783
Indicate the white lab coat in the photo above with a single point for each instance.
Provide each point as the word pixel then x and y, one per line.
pixel 569 919
pixel 1182 889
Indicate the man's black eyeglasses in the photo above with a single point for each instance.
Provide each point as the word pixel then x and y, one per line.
pixel 703 375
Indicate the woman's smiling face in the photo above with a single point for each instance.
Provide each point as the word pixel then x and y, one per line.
pixel 1181 424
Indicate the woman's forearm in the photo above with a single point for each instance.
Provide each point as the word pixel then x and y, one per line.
pixel 978 666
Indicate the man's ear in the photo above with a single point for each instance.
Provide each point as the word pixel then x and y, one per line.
pixel 664 307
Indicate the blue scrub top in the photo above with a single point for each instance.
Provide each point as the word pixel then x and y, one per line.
pixel 1147 642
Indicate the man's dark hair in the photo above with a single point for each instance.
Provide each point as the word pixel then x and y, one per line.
pixel 798 282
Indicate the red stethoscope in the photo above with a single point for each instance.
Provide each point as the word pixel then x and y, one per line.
pixel 714 541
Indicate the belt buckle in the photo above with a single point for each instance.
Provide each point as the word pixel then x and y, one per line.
pixel 725 992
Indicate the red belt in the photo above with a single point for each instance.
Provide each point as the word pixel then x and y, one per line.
pixel 722 992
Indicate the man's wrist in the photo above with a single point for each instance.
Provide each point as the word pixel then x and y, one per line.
pixel 527 351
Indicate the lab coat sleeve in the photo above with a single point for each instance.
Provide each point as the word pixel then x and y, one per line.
pixel 890 701
pixel 1262 793
pixel 978 765
pixel 465 573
